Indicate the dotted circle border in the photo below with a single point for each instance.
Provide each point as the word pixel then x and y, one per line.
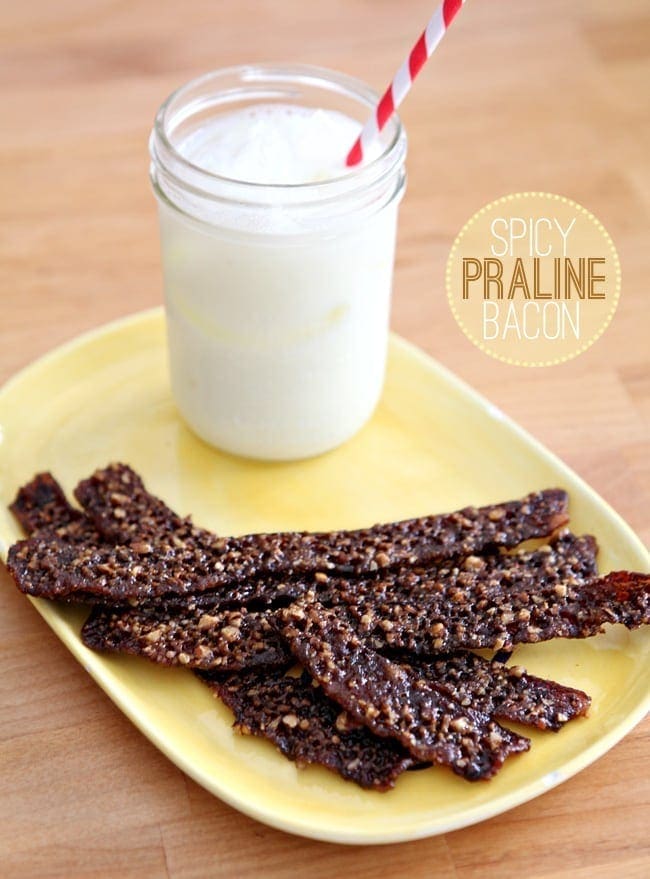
pixel 504 200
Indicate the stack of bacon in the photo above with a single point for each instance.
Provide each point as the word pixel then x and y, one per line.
pixel 381 620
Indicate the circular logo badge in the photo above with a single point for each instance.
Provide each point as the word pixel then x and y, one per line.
pixel 533 279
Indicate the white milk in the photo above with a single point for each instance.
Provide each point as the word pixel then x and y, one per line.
pixel 277 311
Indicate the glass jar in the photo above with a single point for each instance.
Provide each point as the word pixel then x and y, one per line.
pixel 277 295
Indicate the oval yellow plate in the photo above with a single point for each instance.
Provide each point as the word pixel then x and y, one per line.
pixel 433 445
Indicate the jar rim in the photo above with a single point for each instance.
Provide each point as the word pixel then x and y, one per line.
pixel 188 174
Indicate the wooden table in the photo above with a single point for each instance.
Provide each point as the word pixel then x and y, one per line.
pixel 526 95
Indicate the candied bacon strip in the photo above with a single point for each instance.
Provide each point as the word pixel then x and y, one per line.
pixel 182 564
pixel 44 567
pixel 44 571
pixel 228 640
pixel 307 728
pixel 392 700
pixel 565 557
pixel 41 507
pixel 495 605
pixel 123 511
pixel 42 503
pixel 506 692
pixel 360 551
pixel 117 501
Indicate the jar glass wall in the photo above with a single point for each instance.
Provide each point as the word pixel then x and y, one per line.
pixel 277 295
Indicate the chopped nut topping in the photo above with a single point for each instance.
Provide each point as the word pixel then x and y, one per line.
pixel 231 633
pixel 473 563
pixel 153 635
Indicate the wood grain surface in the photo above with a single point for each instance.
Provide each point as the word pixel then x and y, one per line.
pixel 523 95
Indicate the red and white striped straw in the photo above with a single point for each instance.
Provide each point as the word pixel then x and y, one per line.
pixel 401 84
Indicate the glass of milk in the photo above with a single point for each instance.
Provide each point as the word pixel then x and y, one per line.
pixel 277 259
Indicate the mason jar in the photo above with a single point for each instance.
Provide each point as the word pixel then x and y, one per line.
pixel 277 295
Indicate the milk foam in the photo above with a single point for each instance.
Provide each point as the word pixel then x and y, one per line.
pixel 274 144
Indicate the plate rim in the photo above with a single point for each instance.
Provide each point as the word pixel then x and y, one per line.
pixel 96 666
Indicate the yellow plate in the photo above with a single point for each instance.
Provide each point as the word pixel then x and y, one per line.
pixel 433 445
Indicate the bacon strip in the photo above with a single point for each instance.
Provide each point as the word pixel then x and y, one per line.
pixel 509 693
pixel 118 515
pixel 177 563
pixel 41 507
pixel 495 603
pixel 227 640
pixel 307 728
pixel 391 700
pixel 41 567
pixel 124 512
pixel 42 504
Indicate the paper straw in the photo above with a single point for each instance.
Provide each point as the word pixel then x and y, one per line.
pixel 403 80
